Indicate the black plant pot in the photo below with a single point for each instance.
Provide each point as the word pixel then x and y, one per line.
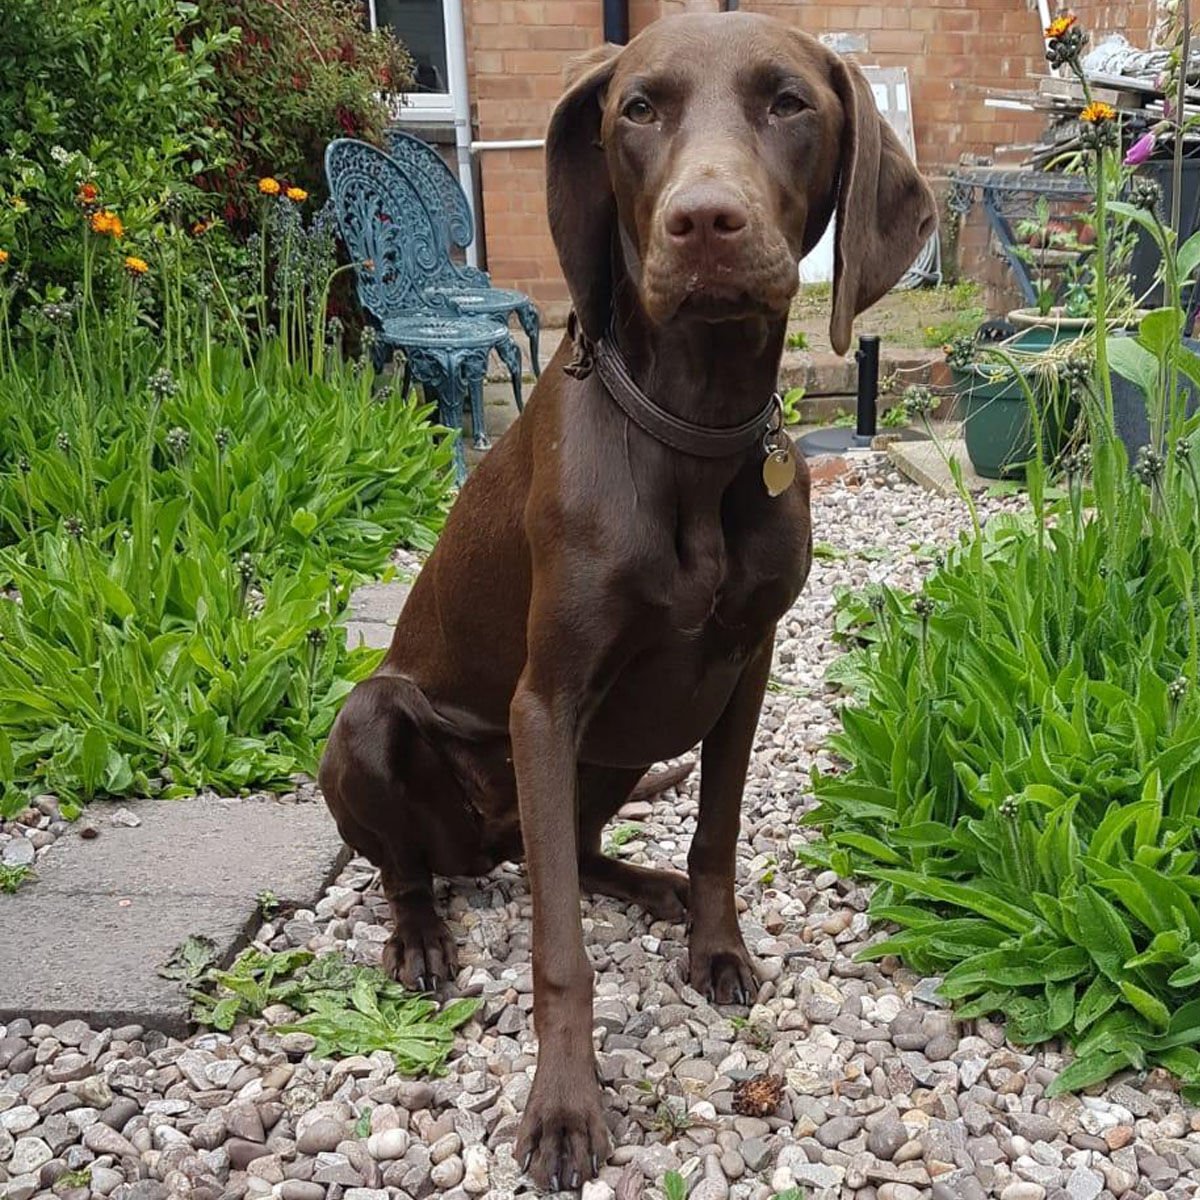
pixel 1129 407
pixel 1146 257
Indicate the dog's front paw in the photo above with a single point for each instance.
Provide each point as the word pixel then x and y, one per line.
pixel 421 953
pixel 563 1139
pixel 722 974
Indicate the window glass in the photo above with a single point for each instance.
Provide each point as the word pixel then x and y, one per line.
pixel 421 26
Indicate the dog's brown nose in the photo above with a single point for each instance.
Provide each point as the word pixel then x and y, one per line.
pixel 707 213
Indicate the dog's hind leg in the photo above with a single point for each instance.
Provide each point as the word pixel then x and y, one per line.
pixel 602 790
pixel 393 801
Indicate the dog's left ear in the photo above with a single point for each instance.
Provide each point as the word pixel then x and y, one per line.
pixel 885 210
pixel 579 194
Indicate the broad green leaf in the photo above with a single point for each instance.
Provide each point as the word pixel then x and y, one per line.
pixel 1153 1009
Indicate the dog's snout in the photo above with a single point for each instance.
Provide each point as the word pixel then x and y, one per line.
pixel 705 213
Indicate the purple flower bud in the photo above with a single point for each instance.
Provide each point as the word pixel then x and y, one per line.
pixel 1141 150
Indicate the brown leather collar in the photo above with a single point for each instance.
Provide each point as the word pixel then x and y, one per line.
pixel 700 441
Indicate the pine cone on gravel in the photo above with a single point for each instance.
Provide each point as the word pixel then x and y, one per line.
pixel 759 1096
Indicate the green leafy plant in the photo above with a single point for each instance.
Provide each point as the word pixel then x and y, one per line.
pixel 797 340
pixel 347 1008
pixel 11 877
pixel 1023 778
pixel 674 1186
pixel 791 405
pixel 622 835
pixel 182 521
pixel 112 92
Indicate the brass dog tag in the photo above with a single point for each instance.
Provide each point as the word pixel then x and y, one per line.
pixel 779 467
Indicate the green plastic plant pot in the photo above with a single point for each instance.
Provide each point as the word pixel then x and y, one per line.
pixel 1039 332
pixel 997 425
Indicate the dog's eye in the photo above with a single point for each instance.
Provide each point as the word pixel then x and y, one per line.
pixel 639 111
pixel 788 105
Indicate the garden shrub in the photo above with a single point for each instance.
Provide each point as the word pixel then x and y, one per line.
pixel 106 90
pixel 300 73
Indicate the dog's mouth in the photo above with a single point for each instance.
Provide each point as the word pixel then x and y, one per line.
pixel 721 301
pixel 721 295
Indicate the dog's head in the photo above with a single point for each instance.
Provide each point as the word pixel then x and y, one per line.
pixel 711 152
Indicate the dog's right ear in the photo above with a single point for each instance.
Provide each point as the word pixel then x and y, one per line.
pixel 579 194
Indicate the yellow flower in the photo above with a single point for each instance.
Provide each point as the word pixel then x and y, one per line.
pixel 1098 112
pixel 1060 25
pixel 107 224
pixel 135 265
pixel 297 195
pixel 269 186
pixel 3 257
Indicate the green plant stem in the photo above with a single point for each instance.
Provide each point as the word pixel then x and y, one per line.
pixel 1104 376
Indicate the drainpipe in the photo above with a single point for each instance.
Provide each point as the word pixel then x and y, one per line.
pixel 616 21
pixel 456 68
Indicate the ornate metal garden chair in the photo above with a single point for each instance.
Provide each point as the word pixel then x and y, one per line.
pixel 468 289
pixel 396 250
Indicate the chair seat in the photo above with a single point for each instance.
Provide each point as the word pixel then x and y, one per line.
pixel 478 301
pixel 433 332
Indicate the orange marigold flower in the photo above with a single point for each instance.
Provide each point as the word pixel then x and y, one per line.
pixel 3 257
pixel 107 224
pixel 200 228
pixel 135 265
pixel 1060 25
pixel 1098 112
pixel 88 193
pixel 297 195
pixel 269 186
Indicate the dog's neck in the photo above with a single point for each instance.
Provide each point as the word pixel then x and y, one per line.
pixel 715 374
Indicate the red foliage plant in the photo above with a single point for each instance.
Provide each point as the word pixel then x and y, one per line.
pixel 300 73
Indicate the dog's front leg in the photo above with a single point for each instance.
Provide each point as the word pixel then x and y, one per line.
pixel 563 1137
pixel 719 966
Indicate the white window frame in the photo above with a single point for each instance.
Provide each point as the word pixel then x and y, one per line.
pixel 435 107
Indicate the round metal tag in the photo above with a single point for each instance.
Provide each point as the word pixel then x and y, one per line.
pixel 779 470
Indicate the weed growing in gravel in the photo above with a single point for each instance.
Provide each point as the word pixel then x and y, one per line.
pixel 346 1008
pixel 622 835
pixel 674 1186
pixel 12 877
pixel 1023 775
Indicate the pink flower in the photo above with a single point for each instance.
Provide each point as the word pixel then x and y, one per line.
pixel 1141 150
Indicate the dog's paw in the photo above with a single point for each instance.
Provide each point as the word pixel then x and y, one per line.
pixel 563 1139
pixel 722 975
pixel 421 954
pixel 665 896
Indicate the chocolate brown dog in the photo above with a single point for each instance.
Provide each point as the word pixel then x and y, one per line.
pixel 606 590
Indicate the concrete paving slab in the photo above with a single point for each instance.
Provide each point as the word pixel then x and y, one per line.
pixel 87 936
pixel 927 463
pixel 374 608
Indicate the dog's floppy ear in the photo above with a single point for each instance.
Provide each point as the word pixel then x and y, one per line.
pixel 579 194
pixel 885 210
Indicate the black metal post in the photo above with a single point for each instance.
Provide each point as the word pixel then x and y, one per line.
pixel 867 357
pixel 616 21
pixel 838 440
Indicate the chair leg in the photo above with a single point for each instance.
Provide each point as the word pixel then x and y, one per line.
pixel 406 386
pixel 510 354
pixel 441 372
pixel 479 437
pixel 531 323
